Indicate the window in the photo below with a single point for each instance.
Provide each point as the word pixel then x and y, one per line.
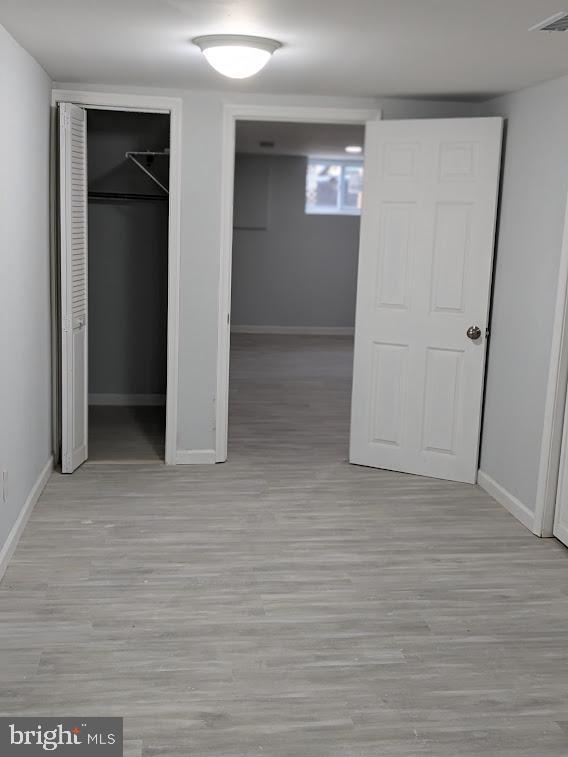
pixel 334 187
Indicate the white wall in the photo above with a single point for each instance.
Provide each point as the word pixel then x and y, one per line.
pixel 535 182
pixel 25 386
pixel 301 270
pixel 200 233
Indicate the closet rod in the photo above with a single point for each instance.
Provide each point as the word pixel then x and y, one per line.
pixel 119 196
pixel 132 156
pixel 161 153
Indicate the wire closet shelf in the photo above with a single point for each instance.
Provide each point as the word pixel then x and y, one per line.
pixel 136 157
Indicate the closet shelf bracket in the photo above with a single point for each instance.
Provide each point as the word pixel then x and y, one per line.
pixel 149 155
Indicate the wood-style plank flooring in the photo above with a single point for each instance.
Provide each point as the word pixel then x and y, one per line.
pixel 126 433
pixel 286 604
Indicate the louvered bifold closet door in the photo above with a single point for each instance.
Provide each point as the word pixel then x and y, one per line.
pixel 73 226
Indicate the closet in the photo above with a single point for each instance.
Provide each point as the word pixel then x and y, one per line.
pixel 127 170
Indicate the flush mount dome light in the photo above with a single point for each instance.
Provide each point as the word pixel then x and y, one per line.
pixel 354 149
pixel 235 55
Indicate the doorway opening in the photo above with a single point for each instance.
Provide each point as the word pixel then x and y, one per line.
pixel 116 277
pixel 128 180
pixel 277 115
pixel 296 220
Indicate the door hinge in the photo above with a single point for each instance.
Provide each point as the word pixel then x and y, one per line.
pixel 67 323
pixel 487 333
pixel 65 120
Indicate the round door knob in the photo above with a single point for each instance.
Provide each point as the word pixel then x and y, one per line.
pixel 473 333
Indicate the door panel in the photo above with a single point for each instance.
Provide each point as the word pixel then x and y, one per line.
pixel 451 245
pixel 425 263
pixel 388 381
pixel 394 252
pixel 442 400
pixel 73 246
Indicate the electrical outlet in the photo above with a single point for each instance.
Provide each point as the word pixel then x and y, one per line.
pixel 4 486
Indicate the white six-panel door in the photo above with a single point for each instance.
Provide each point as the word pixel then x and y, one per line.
pixel 73 246
pixel 425 263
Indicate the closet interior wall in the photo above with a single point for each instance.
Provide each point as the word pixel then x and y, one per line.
pixel 128 253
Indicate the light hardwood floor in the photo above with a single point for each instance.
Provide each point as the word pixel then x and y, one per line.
pixel 286 604
pixel 126 433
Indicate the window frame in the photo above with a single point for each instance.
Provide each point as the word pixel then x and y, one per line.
pixel 341 209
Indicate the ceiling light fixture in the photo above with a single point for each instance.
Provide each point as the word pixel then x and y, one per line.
pixel 354 149
pixel 236 55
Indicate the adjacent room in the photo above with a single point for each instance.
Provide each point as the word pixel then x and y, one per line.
pixel 283 378
pixel 296 220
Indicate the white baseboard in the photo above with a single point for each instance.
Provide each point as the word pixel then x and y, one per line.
pixel 519 510
pixel 11 542
pixel 306 330
pixel 127 400
pixel 195 456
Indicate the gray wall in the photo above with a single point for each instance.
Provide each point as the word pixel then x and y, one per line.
pixel 201 169
pixel 535 182
pixel 25 350
pixel 302 269
pixel 128 249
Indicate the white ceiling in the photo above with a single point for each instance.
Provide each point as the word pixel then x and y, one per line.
pixel 447 48
pixel 317 140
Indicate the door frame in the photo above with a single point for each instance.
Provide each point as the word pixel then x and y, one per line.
pixel 551 444
pixel 173 107
pixel 231 114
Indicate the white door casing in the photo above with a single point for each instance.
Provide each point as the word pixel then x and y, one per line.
pixel 73 246
pixel 425 266
pixel 231 114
